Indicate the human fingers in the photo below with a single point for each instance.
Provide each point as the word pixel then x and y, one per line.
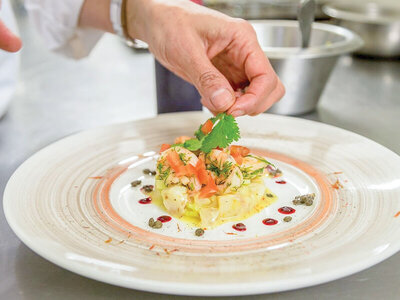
pixel 215 90
pixel 9 41
pixel 263 82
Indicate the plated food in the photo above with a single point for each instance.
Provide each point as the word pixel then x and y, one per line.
pixel 206 182
pixel 73 204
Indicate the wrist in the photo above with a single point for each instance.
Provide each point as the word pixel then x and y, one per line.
pixel 137 15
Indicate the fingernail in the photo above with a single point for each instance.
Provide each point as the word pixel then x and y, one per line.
pixel 222 99
pixel 237 113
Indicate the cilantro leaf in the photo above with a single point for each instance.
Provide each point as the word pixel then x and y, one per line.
pixel 177 145
pixel 225 131
pixel 192 144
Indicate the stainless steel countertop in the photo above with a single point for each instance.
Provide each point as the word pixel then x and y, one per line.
pixel 57 97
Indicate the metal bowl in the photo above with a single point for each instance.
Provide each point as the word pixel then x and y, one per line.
pixel 304 72
pixel 378 24
pixel 262 9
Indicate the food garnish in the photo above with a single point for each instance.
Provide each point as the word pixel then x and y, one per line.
pixel 307 199
pixel 206 181
pixel 199 232
pixel 239 227
pixel 151 222
pixel 217 132
pixel 287 219
pixel 287 210
pixel 147 189
pixel 135 183
pixel 155 224
pixel 149 172
pixel 145 200
pixel 337 185
pixel 164 219
pixel 270 222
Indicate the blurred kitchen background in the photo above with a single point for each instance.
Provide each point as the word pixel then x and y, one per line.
pixel 57 96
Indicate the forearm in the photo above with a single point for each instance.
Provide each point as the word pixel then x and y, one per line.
pixel 96 14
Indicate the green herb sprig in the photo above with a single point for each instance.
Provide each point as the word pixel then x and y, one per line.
pixel 224 132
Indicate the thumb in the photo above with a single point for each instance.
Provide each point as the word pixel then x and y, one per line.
pixel 215 90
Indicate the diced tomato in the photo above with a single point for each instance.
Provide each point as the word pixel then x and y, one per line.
pixel 182 139
pixel 238 152
pixel 202 174
pixel 207 127
pixel 187 170
pixel 174 161
pixel 209 189
pixel 164 147
pixel 238 159
pixel 179 167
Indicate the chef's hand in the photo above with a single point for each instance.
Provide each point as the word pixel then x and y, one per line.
pixel 218 54
pixel 8 41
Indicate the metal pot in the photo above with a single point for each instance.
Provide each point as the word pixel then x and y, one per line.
pixel 304 72
pixel 378 24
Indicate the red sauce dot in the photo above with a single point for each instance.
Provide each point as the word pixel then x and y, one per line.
pixel 145 200
pixel 164 219
pixel 239 227
pixel 270 221
pixel 286 210
pixel 281 181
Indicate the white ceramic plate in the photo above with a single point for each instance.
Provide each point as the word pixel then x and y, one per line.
pixel 72 204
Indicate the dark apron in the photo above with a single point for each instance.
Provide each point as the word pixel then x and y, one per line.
pixel 173 93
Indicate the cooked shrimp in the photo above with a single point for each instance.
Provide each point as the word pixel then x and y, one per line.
pixel 168 173
pixel 228 176
pixel 182 139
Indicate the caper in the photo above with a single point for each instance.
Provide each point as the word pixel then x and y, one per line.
pixel 269 195
pixel 136 183
pixel 146 171
pixel 148 188
pixel 153 173
pixel 199 232
pixel 296 202
pixel 151 222
pixel 157 224
pixel 309 202
pixel 287 219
